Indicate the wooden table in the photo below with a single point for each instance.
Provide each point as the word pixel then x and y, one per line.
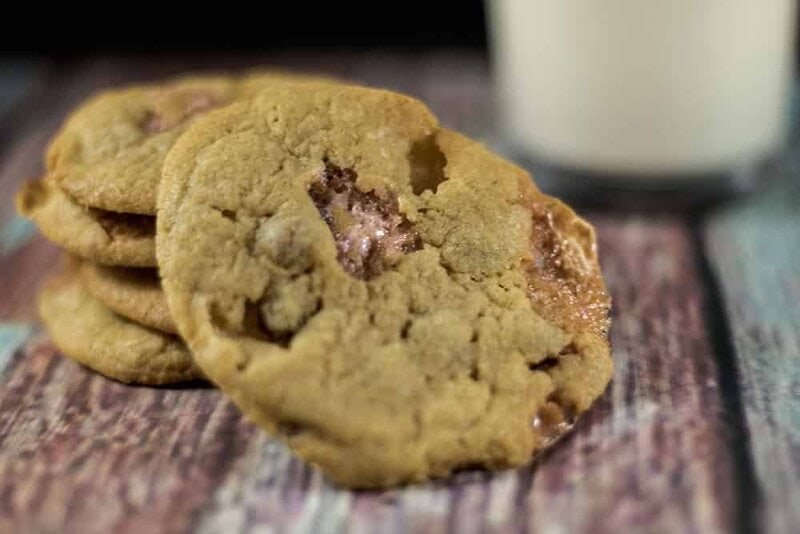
pixel 698 432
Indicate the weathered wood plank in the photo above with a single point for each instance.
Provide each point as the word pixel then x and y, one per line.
pixel 79 453
pixel 23 273
pixel 754 248
pixel 12 336
pixel 654 452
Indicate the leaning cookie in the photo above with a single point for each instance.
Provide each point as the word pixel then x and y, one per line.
pixel 388 297
pixel 109 152
pixel 96 235
pixel 88 332
pixel 134 293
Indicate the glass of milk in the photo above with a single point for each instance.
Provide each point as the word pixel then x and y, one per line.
pixel 644 91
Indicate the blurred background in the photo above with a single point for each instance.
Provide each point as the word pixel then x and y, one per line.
pixel 594 97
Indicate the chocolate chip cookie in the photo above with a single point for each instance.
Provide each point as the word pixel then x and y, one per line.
pixel 88 332
pixel 96 235
pixel 388 297
pixel 134 293
pixel 109 152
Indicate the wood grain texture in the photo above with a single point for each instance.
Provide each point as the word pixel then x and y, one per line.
pixel 754 247
pixel 80 453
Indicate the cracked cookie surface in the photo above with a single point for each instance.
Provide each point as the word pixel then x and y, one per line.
pixel 88 332
pixel 134 293
pixel 96 235
pixel 388 297
pixel 109 152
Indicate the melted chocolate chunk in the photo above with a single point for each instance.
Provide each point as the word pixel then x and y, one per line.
pixel 552 422
pixel 370 232
pixel 564 283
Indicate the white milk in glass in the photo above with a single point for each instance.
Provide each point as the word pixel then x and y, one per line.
pixel 644 86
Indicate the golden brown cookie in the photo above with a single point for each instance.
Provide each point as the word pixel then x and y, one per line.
pixel 88 332
pixel 96 235
pixel 134 293
pixel 390 298
pixel 109 152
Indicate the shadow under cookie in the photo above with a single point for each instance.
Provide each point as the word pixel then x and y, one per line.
pixel 88 332
pixel 100 236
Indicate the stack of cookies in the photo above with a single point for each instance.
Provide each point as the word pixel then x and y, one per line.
pixel 386 296
pixel 98 202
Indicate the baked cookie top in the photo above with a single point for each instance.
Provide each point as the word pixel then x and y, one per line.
pixel 109 152
pixel 96 235
pixel 134 293
pixel 390 298
pixel 88 332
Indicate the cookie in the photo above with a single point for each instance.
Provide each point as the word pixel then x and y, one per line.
pixel 96 235
pixel 388 297
pixel 133 293
pixel 88 332
pixel 109 152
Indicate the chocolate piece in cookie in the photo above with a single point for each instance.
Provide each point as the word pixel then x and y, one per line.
pixel 388 297
pixel 370 232
pixel 562 272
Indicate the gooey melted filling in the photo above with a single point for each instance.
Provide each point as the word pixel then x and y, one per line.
pixel 370 232
pixel 563 280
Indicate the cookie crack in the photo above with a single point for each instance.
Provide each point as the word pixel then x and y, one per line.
pixel 228 214
pixel 544 365
pixel 427 162
pixel 256 327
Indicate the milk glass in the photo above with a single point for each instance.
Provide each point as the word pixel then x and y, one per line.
pixel 644 89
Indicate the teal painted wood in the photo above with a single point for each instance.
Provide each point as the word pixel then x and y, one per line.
pixel 12 336
pixel 14 233
pixel 754 249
